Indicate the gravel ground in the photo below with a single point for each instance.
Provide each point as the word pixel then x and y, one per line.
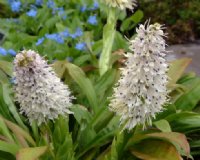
pixel 187 50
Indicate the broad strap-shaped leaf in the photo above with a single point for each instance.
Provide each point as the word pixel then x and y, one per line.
pixel 81 113
pixel 11 106
pixel 20 134
pixel 80 78
pixel 7 67
pixel 153 149
pixel 132 21
pixel 177 139
pixel 31 153
pixel 108 39
pixel 9 147
pixel 189 100
pixel 105 83
pixel 176 69
pixel 163 125
pixel 184 121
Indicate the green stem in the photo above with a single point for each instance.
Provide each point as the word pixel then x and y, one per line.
pixel 47 137
pixel 108 39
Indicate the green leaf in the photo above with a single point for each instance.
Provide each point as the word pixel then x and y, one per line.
pixel 114 154
pixel 19 132
pixel 105 83
pixel 6 156
pixel 84 83
pixel 176 69
pixel 7 67
pixel 152 149
pixel 31 153
pixel 81 113
pixel 3 77
pixel 184 121
pixel 4 130
pixel 80 78
pixel 163 125
pixel 9 102
pixel 108 39
pixel 132 21
pixel 9 147
pixel 178 139
pixel 189 100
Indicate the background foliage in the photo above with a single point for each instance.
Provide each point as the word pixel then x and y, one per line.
pixel 181 18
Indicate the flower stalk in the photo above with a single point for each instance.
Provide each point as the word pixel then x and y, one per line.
pixel 108 39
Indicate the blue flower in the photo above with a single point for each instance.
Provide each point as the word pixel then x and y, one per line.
pixel 65 33
pixel 59 39
pixel 40 41
pixel 50 4
pixel 39 2
pixel 56 37
pixel 32 13
pixel 12 52
pixel 78 33
pixel 80 46
pixel 92 20
pixel 95 6
pixel 15 6
pixel 83 8
pixel 3 51
pixel 61 13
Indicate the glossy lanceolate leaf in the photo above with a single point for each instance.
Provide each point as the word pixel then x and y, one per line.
pixel 30 153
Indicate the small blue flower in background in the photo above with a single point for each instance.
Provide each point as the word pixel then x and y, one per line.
pixel 50 36
pixel 12 52
pixel 59 39
pixel 15 6
pixel 39 2
pixel 78 33
pixel 92 20
pixel 80 46
pixel 3 51
pixel 56 37
pixel 32 13
pixel 40 41
pixel 65 33
pixel 50 4
pixel 61 13
pixel 95 6
pixel 83 8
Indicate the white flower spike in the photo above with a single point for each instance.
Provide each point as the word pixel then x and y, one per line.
pixel 141 90
pixel 121 4
pixel 41 94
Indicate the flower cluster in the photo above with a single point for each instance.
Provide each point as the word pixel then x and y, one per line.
pixel 92 20
pixel 41 94
pixel 141 90
pixel 15 5
pixel 121 4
